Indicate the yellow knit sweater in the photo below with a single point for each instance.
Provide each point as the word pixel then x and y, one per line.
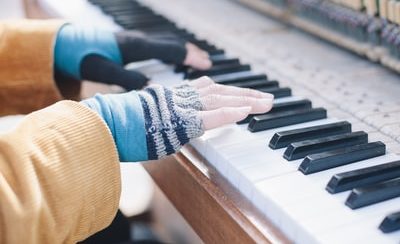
pixel 59 171
pixel 59 176
pixel 26 67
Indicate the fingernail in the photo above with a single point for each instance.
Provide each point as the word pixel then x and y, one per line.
pixel 267 95
pixel 265 101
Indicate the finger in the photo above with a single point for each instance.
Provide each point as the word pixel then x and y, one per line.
pixel 258 105
pixel 232 91
pixel 222 116
pixel 194 48
pixel 202 82
pixel 196 57
pixel 99 69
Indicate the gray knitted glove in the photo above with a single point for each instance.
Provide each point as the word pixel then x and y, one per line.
pixel 171 118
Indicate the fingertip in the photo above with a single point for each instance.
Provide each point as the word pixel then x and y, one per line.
pixel 206 81
pixel 242 112
pixel 206 64
pixel 266 95
pixel 201 82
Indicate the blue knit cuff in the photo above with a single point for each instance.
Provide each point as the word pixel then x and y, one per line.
pixel 74 43
pixel 123 115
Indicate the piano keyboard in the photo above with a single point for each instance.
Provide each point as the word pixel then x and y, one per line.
pixel 316 177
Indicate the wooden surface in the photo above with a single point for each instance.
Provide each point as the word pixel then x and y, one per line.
pixel 215 210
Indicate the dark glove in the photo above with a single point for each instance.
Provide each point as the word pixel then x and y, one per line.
pixel 97 55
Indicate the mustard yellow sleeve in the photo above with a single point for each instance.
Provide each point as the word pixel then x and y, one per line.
pixel 59 176
pixel 26 67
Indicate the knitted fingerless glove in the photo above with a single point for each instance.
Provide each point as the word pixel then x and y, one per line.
pixel 152 123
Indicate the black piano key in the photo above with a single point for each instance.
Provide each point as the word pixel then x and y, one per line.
pixel 368 195
pixel 142 22
pixel 254 84
pixel 217 70
pixel 144 25
pixel 301 149
pixel 284 138
pixel 390 223
pixel 146 29
pixel 238 77
pixel 326 160
pixel 218 57
pixel 269 121
pixel 204 45
pixel 147 26
pixel 220 60
pixel 224 61
pixel 278 92
pixel 282 107
pixel 128 11
pixel 115 8
pixel 216 52
pixel 140 17
pixel 363 177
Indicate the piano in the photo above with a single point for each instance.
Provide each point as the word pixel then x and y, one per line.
pixel 322 167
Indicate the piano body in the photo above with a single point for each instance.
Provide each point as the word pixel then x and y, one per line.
pixel 323 167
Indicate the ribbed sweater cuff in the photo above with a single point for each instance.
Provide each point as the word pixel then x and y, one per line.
pixel 70 172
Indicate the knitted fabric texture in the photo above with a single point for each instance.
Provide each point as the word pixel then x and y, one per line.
pixel 151 123
pixel 170 119
pixel 187 97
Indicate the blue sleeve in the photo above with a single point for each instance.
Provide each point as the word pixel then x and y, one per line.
pixel 123 113
pixel 74 43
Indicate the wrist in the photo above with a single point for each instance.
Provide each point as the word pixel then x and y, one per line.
pixel 123 115
pixel 74 43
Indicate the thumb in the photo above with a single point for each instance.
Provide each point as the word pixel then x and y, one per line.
pixel 99 69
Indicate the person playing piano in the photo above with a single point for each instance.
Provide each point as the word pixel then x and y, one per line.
pixel 59 168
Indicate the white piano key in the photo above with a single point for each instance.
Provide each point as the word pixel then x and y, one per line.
pixel 393 130
pixel 378 136
pixel 377 108
pixel 393 147
pixel 360 126
pixel 369 219
pixel 382 119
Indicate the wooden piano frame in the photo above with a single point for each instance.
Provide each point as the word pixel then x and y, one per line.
pixel 217 211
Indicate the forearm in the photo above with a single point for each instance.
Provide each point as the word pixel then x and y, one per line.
pixel 59 177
